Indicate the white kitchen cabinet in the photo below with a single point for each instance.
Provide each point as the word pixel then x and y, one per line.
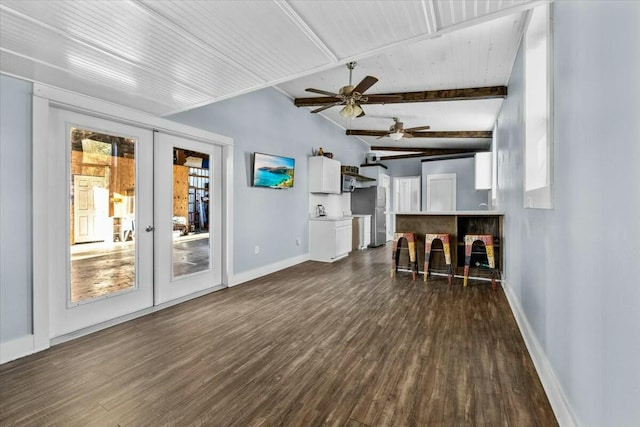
pixel 329 239
pixel 324 175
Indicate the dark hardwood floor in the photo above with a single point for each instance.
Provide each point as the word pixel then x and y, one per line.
pixel 337 344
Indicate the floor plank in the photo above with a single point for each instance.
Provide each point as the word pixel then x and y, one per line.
pixel 337 344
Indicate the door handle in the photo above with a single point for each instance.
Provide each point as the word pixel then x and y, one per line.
pixel 149 228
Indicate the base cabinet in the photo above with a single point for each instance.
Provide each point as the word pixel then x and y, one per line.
pixel 329 240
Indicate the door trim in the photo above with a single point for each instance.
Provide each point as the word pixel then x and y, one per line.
pixel 45 97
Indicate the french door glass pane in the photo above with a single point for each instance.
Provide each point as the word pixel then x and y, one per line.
pixel 102 214
pixel 191 244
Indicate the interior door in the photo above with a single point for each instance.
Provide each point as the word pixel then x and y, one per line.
pixel 188 212
pixel 385 182
pixel 105 166
pixel 407 190
pixel 441 192
pixel 91 197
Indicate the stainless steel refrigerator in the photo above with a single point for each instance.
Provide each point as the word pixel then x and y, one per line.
pixel 371 201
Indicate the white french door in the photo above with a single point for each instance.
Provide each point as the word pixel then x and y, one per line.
pixel 109 166
pixel 143 216
pixel 188 212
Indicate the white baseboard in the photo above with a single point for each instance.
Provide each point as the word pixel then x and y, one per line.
pixel 16 348
pixel 267 269
pixel 561 408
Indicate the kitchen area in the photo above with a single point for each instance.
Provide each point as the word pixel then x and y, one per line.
pixel 347 208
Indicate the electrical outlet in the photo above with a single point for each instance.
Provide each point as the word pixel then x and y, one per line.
pixel 256 250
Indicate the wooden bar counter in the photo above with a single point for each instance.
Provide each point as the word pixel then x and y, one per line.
pixel 457 224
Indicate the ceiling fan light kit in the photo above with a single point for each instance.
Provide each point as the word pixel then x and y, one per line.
pixel 397 131
pixel 351 111
pixel 396 136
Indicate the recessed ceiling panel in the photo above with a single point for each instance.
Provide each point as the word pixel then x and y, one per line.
pixel 481 55
pixel 45 46
pixel 353 27
pixel 262 37
pixel 452 12
pixel 39 72
pixel 133 42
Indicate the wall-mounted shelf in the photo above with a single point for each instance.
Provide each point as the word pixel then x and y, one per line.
pixel 358 177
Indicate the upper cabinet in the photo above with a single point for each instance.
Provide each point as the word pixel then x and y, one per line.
pixel 324 175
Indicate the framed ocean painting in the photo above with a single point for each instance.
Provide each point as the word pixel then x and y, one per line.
pixel 273 171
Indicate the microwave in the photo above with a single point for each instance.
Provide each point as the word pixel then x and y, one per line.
pixel 348 183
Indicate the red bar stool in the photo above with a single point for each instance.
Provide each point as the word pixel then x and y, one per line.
pixel 446 248
pixel 413 253
pixel 487 240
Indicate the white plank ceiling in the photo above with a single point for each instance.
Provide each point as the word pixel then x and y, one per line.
pixel 164 57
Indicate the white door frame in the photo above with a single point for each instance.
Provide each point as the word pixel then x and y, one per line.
pixel 45 97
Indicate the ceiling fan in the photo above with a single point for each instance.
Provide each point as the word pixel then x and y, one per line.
pixel 352 96
pixel 397 130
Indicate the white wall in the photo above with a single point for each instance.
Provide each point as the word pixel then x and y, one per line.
pixel 573 272
pixel 15 209
pixel 267 121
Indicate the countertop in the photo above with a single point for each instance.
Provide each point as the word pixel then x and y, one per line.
pixel 458 213
pixel 329 218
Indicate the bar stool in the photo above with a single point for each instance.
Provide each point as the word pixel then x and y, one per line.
pixel 487 239
pixel 413 253
pixel 446 248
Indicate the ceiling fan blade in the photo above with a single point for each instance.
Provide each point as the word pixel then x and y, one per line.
pixel 317 110
pixel 365 84
pixel 322 92
pixel 406 134
pixel 417 128
pixel 382 136
pixel 361 114
pixel 381 99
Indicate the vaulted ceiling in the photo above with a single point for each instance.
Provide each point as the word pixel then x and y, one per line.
pixel 164 57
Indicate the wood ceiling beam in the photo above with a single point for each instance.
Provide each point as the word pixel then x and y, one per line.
pixel 430 151
pixel 487 92
pixel 426 152
pixel 428 134
pixel 461 154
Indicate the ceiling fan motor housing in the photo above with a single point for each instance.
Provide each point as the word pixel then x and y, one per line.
pixel 346 90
